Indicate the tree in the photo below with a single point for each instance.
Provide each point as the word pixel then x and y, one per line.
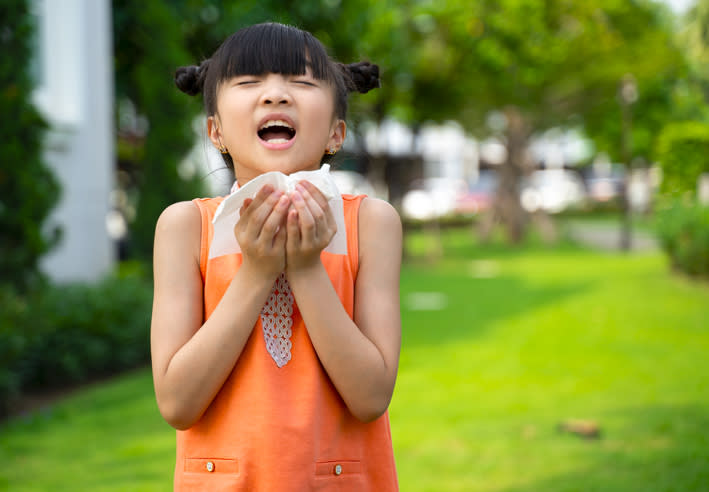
pixel 542 64
pixel 28 190
pixel 154 118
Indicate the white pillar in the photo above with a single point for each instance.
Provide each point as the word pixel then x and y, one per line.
pixel 75 94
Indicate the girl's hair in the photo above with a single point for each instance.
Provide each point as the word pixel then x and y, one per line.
pixel 274 48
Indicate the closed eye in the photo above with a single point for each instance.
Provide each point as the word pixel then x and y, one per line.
pixel 306 82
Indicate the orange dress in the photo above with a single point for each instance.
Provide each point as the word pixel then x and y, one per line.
pixel 283 428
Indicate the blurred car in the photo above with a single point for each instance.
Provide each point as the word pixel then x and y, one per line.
pixel 480 194
pixel 604 187
pixel 553 191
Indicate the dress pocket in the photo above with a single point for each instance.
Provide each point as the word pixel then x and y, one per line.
pixel 216 466
pixel 343 468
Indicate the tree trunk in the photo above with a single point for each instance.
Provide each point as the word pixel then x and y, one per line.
pixel 506 207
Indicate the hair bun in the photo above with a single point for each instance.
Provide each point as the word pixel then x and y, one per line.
pixel 190 80
pixel 364 76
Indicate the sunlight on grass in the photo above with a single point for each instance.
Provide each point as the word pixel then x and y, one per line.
pixel 499 347
pixel 106 438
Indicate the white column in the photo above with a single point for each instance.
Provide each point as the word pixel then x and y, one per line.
pixel 75 94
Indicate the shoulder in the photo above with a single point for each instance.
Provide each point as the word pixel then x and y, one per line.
pixel 380 229
pixel 179 216
pixel 178 231
pixel 376 213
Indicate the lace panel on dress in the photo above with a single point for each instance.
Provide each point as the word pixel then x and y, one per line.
pixel 277 321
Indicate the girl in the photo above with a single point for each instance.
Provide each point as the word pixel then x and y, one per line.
pixel 277 364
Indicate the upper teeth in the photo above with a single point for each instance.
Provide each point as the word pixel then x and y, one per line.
pixel 271 123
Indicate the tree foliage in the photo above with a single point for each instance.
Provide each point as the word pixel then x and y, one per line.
pixel 28 190
pixel 683 152
pixel 544 64
pixel 154 118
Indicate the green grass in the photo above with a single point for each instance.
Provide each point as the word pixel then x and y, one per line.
pixel 514 342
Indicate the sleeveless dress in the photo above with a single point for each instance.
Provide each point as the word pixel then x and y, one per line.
pixel 278 423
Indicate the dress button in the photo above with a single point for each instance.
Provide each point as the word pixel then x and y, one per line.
pixel 338 469
pixel 210 466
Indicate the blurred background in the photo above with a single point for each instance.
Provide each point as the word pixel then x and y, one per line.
pixel 549 160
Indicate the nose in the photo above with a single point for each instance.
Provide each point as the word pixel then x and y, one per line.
pixel 275 91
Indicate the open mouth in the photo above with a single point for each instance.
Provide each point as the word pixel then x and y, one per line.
pixel 276 132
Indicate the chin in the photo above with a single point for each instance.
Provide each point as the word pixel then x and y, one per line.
pixel 287 166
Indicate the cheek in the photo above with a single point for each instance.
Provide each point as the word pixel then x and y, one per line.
pixel 232 110
pixel 324 115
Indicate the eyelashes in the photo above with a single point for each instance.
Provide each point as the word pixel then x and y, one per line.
pixel 303 82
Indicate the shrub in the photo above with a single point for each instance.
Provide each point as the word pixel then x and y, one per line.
pixel 683 230
pixel 28 190
pixel 64 335
pixel 683 152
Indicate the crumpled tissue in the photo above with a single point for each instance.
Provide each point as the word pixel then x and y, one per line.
pixel 227 215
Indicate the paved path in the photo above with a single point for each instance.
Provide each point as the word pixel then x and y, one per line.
pixel 607 236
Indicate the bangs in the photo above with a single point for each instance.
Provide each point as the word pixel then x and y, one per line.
pixel 272 48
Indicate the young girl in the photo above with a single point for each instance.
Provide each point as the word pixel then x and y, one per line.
pixel 277 364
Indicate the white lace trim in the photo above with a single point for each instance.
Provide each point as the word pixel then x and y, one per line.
pixel 277 321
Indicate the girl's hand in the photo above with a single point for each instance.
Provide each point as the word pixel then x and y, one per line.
pixel 261 231
pixel 311 227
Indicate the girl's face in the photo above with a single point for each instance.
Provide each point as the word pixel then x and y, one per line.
pixel 275 122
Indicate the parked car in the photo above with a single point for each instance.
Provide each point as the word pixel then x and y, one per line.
pixel 553 191
pixel 604 186
pixel 480 194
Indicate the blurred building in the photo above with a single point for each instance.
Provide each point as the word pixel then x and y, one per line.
pixel 73 69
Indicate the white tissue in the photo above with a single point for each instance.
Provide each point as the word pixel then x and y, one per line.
pixel 227 215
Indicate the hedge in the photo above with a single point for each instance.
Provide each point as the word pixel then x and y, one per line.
pixel 59 336
pixel 683 231
pixel 683 153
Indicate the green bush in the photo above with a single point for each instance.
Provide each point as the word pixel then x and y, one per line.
pixel 683 230
pixel 683 153
pixel 64 335
pixel 28 190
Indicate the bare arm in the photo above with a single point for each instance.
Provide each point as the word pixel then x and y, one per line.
pixel 361 356
pixel 192 358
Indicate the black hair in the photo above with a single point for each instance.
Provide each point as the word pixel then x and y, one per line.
pixel 274 48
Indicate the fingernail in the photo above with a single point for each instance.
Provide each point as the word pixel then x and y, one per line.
pixel 297 197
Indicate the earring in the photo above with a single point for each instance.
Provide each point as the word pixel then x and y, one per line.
pixel 222 149
pixel 331 152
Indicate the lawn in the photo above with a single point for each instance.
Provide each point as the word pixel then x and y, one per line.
pixel 500 346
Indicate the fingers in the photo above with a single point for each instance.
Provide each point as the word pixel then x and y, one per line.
pixel 310 222
pixel 320 209
pixel 307 216
pixel 293 231
pixel 256 211
pixel 261 227
pixel 314 192
pixel 272 225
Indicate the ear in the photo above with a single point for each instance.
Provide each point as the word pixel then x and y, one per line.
pixel 338 133
pixel 214 131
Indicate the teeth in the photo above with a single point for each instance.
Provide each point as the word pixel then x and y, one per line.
pixel 271 123
pixel 277 140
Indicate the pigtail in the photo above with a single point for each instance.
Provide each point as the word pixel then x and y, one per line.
pixel 190 80
pixel 361 76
